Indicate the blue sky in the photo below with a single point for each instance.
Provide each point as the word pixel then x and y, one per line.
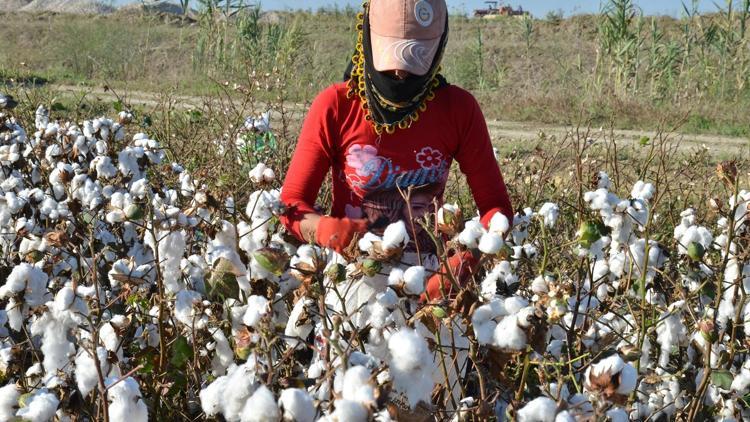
pixel 537 7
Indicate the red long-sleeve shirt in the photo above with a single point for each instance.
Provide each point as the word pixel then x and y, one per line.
pixel 369 169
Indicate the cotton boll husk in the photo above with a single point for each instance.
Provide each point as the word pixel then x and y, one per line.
pixel 541 409
pixel 261 407
pixel 395 236
pixel 296 405
pixel 414 278
pixel 125 401
pixel 87 377
pixel 40 407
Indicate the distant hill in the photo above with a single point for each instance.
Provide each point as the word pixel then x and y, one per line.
pixel 78 7
pixel 12 5
pixel 154 7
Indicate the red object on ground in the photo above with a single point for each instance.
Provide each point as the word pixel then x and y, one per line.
pixel 337 233
pixel 461 265
pixel 364 166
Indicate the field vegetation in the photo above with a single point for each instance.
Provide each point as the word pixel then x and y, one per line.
pixel 144 273
pixel 620 65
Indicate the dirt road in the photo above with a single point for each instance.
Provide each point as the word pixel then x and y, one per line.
pixel 501 131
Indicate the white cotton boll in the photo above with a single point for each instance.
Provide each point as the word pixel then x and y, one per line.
pixel 539 285
pixel 617 415
pixel 450 209
pixel 499 223
pixel 30 279
pixel 224 356
pixel 550 213
pixel 261 407
pixel 296 405
pixel 357 387
pixel 670 332
pixel 104 167
pixel 3 321
pixel 395 236
pixel 490 243
pixel 349 411
pixel 257 308
pixel 40 407
pixel 471 233
pixel 642 190
pixel 256 174
pixel 109 338
pixel 365 243
pixel 410 364
pixel 414 278
pixel 514 304
pixel 508 335
pixel 268 175
pixel 295 330
pixel 64 299
pixel 15 317
pixel 484 329
pixel 395 277
pixel 565 416
pixel 184 308
pixel 541 409
pixel 87 377
pixel 628 380
pixel 9 396
pixel 125 401
pixel 741 382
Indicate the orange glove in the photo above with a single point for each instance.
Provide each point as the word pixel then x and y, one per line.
pixel 337 233
pixel 461 265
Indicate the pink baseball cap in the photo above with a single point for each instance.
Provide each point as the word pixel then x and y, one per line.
pixel 405 34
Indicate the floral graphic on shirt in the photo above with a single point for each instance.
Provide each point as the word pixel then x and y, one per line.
pixel 373 172
pixel 362 158
pixel 429 157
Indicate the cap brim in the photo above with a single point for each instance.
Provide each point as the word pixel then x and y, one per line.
pixel 411 55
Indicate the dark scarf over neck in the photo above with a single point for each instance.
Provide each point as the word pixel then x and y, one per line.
pixel 391 102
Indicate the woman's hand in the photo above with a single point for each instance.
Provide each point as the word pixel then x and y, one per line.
pixel 440 286
pixel 338 233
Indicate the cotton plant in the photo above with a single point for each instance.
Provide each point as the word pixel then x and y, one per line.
pixel 126 272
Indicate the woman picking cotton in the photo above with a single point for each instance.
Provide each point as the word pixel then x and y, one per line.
pixel 389 134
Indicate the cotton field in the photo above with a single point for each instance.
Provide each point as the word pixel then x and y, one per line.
pixel 129 291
